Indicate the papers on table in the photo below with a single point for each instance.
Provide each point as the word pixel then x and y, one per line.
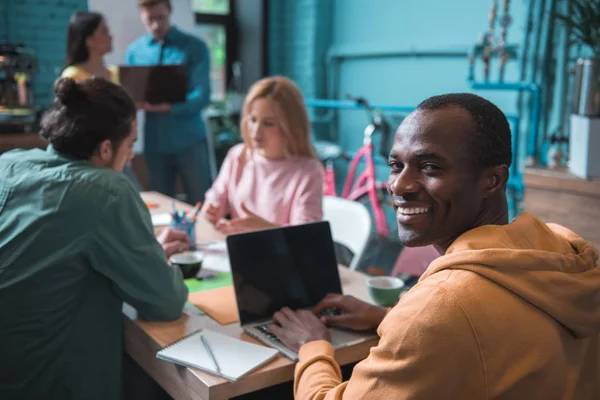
pixel 215 255
pixel 162 219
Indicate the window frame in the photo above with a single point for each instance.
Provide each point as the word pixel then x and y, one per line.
pixel 229 22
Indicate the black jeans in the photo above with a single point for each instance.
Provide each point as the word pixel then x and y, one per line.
pixel 191 165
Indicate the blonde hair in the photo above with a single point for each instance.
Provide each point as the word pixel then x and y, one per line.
pixel 290 111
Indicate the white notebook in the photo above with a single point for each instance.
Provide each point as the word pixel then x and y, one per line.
pixel 235 357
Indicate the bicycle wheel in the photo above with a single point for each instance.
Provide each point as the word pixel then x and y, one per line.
pixel 381 252
pixel 385 201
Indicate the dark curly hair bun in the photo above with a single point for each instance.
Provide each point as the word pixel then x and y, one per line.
pixel 68 92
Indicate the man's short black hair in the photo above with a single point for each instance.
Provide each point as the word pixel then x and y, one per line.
pixel 490 141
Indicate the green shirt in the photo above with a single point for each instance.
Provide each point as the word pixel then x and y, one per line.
pixel 76 241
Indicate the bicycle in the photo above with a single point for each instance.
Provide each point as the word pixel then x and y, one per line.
pixel 365 188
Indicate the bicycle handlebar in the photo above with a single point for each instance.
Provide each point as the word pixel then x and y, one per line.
pixel 360 101
pixel 379 123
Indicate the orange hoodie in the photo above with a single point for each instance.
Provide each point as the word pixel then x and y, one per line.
pixel 509 312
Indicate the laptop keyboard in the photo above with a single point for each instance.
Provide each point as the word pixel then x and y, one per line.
pixel 329 312
pixel 264 329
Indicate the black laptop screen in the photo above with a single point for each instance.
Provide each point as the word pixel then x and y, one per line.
pixel 292 266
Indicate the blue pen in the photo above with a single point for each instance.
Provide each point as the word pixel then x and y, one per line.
pixel 175 213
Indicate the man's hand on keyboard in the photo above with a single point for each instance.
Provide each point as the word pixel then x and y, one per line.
pixel 355 314
pixel 294 328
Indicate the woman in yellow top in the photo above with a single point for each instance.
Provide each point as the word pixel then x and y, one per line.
pixel 88 41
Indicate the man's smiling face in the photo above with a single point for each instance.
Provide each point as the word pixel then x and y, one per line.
pixel 436 190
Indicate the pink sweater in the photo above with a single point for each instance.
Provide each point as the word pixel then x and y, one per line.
pixel 283 192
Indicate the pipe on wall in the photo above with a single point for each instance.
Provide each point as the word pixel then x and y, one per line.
pixel 336 55
pixel 548 80
pixel 530 69
pixel 525 55
pixel 562 142
pixel 341 53
pixel 351 105
pixel 565 56
pixel 537 39
pixel 530 87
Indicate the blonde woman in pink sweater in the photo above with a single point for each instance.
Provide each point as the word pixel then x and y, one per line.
pixel 274 178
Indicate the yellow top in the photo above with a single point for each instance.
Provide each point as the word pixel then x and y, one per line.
pixel 79 74
pixel 21 78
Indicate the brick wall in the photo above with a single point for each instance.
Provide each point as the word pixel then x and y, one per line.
pixel 42 26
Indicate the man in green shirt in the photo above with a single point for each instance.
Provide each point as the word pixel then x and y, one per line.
pixel 76 241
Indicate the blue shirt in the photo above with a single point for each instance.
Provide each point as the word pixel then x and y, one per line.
pixel 75 242
pixel 183 126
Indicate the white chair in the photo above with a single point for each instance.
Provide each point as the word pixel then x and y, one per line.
pixel 350 224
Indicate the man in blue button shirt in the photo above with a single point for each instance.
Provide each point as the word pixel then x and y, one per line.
pixel 174 134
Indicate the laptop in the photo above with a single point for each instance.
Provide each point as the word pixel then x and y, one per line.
pixel 293 266
pixel 155 84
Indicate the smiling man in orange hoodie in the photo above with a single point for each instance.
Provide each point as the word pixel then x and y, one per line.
pixel 510 311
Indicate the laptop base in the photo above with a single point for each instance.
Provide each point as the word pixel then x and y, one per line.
pixel 339 338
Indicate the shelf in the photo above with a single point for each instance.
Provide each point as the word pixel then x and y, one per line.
pixel 560 180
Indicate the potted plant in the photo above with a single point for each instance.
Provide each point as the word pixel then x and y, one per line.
pixel 582 20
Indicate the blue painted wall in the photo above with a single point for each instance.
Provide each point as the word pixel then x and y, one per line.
pixel 362 26
pixel 3 22
pixel 301 33
pixel 391 52
pixel 41 25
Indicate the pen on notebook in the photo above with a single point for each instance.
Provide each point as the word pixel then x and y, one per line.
pixel 210 353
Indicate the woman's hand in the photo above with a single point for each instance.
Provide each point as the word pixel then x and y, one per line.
pixel 213 212
pixel 248 223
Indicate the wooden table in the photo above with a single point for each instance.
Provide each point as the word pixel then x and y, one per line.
pixel 143 339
